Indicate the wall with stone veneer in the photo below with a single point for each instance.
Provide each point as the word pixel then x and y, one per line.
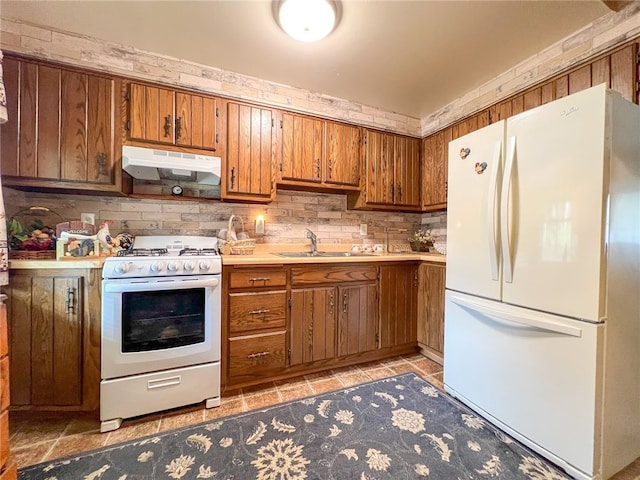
pixel 286 218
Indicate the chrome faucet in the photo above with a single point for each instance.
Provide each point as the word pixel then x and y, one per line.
pixel 314 241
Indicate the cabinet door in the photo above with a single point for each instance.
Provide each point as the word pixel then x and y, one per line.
pixel 250 144
pixel 342 159
pixel 357 319
pixel 302 148
pixel 313 324
pixel 407 171
pixel 152 114
pixel 60 127
pixel 196 123
pixel 431 306
pixel 45 338
pixel 435 155
pixel 398 298
pixel 379 168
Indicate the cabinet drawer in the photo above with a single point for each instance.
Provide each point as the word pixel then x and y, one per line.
pixel 255 311
pixel 258 278
pixel 347 273
pixel 256 355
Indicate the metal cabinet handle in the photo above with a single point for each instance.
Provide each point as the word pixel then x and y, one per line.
pixel 331 304
pixel 233 176
pixel 400 191
pixel 178 127
pixel 167 126
pixel 317 167
pixel 260 279
pixel 344 303
pixel 331 163
pixel 69 301
pixel 259 312
pixel 259 354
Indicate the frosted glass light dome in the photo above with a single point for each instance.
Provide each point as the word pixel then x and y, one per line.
pixel 307 20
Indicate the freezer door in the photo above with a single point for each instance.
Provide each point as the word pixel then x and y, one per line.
pixel 473 244
pixel 535 373
pixel 553 207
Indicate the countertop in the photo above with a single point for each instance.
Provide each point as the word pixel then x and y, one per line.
pixel 263 255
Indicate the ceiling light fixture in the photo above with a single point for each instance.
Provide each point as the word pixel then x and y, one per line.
pixel 307 20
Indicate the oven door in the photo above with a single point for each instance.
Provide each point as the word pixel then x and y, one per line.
pixel 152 324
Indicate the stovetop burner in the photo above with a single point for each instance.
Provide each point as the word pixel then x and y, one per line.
pixel 202 252
pixel 143 252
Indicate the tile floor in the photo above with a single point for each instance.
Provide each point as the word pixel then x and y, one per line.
pixel 40 436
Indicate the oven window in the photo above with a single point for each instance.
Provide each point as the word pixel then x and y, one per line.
pixel 163 319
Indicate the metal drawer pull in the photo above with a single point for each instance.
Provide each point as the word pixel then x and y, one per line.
pixel 260 279
pixel 259 354
pixel 259 312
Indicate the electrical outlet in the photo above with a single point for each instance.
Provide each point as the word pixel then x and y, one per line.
pixel 363 229
pixel 88 218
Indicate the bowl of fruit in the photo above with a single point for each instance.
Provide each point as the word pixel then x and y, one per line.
pixel 33 238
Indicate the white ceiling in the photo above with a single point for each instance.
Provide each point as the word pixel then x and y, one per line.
pixel 409 57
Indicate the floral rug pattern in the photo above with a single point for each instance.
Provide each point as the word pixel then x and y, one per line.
pixel 396 428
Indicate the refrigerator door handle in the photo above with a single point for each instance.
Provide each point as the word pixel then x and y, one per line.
pixel 504 210
pixel 529 319
pixel 491 211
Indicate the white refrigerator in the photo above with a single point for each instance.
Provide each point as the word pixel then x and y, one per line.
pixel 542 309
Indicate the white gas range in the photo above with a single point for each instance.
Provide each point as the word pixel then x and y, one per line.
pixel 161 309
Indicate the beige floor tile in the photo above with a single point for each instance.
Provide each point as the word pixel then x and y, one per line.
pixel 291 382
pixel 322 386
pixel 294 393
pixel 382 372
pixel 354 378
pixel 76 444
pixel 262 388
pixel 177 420
pixel 133 430
pixel 426 365
pixel 227 407
pixel 403 368
pixel 260 400
pixel 40 428
pixel 31 454
pixel 436 381
pixel 83 422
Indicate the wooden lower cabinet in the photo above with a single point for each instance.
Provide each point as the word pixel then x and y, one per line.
pixel 54 332
pixel 283 321
pixel 398 304
pixel 431 310
pixel 8 469
pixel 313 324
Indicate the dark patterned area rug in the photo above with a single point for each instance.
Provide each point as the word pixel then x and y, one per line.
pixel 396 428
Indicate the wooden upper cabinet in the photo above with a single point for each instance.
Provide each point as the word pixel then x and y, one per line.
pixel 248 164
pixel 392 173
pixel 435 170
pixel 343 154
pixel 165 116
pixel 61 128
pixel 319 153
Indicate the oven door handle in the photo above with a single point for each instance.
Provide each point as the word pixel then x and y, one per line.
pixel 154 286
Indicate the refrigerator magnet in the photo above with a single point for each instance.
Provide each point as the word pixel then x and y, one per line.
pixel 464 152
pixel 480 167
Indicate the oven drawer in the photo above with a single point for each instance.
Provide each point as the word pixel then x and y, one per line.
pixel 263 277
pixel 255 355
pixel 256 311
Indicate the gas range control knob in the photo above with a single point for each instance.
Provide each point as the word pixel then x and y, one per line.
pixel 122 267
pixel 189 266
pixel 157 267
pixel 172 266
pixel 204 265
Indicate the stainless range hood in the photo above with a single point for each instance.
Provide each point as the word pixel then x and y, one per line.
pixel 154 164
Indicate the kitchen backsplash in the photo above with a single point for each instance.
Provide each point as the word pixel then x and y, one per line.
pixel 285 219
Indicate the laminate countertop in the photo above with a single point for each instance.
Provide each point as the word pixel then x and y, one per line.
pixel 264 254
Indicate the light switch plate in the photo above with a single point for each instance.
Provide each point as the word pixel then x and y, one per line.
pixel 363 229
pixel 88 218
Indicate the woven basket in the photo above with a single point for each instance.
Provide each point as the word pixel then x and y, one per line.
pixel 244 246
pixel 32 254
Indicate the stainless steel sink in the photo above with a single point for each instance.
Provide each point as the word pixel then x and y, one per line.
pixel 321 254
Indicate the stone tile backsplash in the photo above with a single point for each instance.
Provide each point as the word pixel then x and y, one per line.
pixel 285 219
